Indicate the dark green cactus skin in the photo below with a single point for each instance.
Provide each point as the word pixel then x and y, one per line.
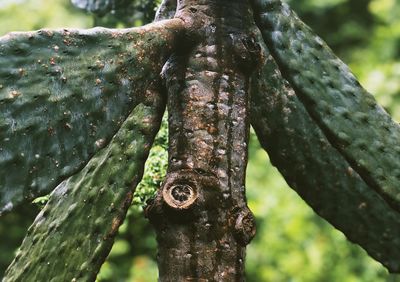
pixel 317 171
pixel 95 6
pixel 73 234
pixel 64 94
pixel 166 10
pixel 349 116
pixel 114 7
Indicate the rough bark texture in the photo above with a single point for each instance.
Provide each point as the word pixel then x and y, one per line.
pixel 317 171
pixel 73 234
pixel 200 214
pixel 64 94
pixel 50 80
pixel 349 116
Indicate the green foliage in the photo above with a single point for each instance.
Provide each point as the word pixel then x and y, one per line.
pixel 30 15
pixel 347 114
pixel 133 254
pixel 13 227
pixel 41 201
pixel 318 172
pixel 132 257
pixel 155 169
pixel 378 61
pixel 292 244
pixel 366 34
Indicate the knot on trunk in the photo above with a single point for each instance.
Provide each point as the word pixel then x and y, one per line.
pixel 183 193
pixel 244 225
pixel 247 52
pixel 180 190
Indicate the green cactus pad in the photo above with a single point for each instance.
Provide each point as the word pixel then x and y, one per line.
pixel 73 234
pixel 349 116
pixel 64 94
pixel 95 6
pixel 317 171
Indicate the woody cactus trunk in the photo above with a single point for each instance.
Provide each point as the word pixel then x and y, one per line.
pixel 80 108
pixel 200 214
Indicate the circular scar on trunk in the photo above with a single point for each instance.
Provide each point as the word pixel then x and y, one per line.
pixel 180 191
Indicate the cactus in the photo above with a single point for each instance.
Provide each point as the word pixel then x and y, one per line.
pixel 100 7
pixel 317 171
pixel 63 95
pixel 348 115
pixel 85 211
pixel 200 213
pixel 79 222
pixel 110 12
pixel 80 109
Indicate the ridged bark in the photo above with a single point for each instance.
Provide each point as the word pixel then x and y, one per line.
pixel 348 115
pixel 317 171
pixel 200 214
pixel 64 94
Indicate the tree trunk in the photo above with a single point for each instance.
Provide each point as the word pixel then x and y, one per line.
pixel 200 214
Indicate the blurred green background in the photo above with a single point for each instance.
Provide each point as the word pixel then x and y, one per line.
pixel 292 243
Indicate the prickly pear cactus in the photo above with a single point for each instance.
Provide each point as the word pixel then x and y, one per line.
pixel 80 109
pixel 349 116
pixel 63 95
pixel 317 171
pixel 73 234
pixel 95 6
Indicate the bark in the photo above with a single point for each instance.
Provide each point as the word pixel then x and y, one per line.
pixel 73 234
pixel 317 171
pixel 348 115
pixel 200 214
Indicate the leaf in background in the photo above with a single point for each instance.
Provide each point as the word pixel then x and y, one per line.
pixel 73 234
pixel 348 115
pixel 64 94
pixel 317 171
